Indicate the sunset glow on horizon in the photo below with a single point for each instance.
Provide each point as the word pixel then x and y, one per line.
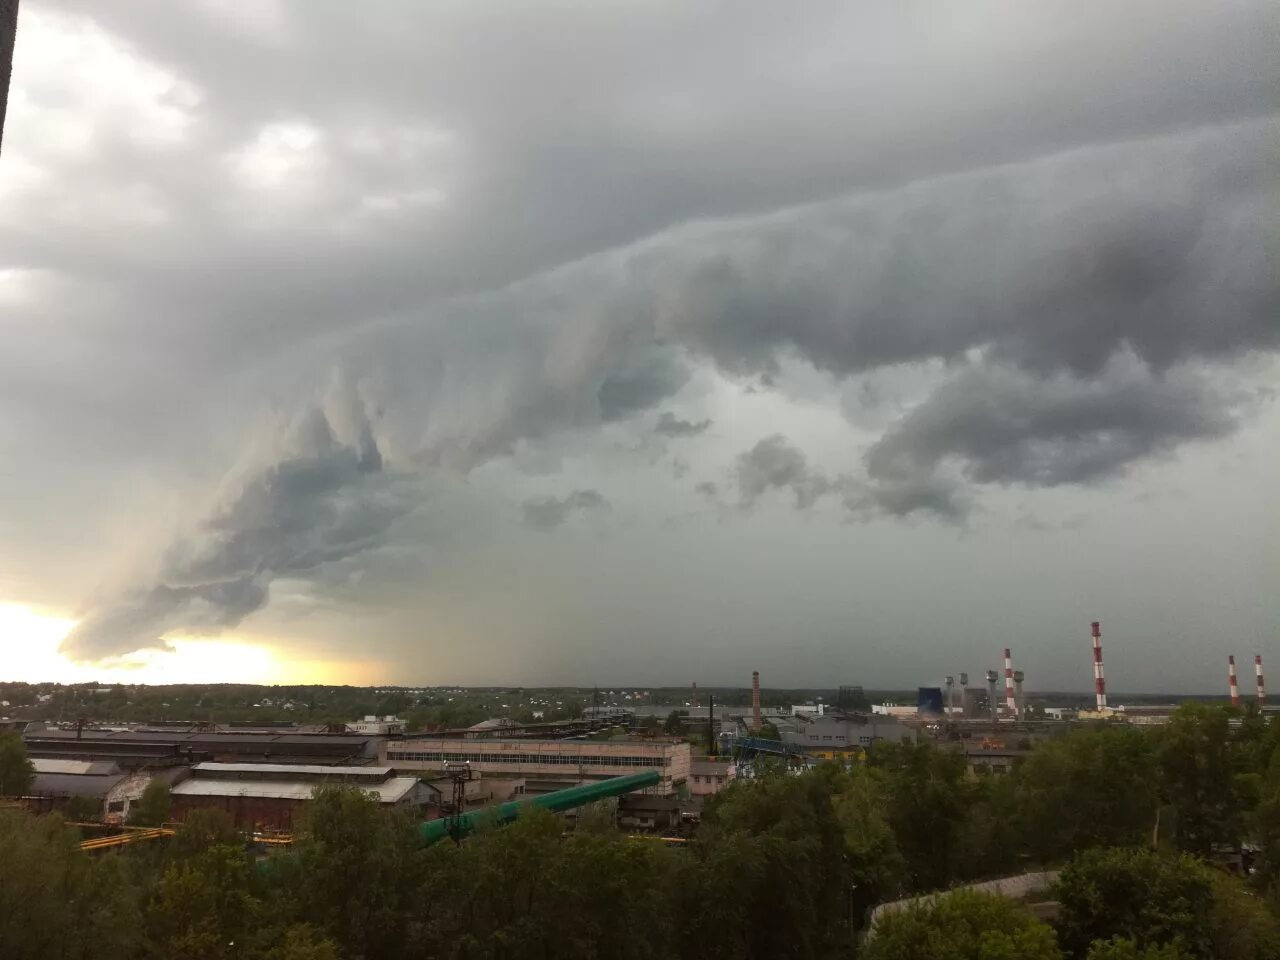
pixel 30 639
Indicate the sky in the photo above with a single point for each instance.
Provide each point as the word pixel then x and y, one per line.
pixel 639 343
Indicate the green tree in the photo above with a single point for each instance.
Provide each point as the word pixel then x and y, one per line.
pixel 1126 948
pixel 152 808
pixel 355 870
pixel 16 770
pixel 783 834
pixel 201 831
pixel 674 724
pixel 1096 786
pixel 524 892
pixel 202 907
pixel 304 942
pixel 876 867
pixel 55 901
pixel 965 925
pixel 1198 778
pixel 927 805
pixel 987 842
pixel 80 809
pixel 1158 899
pixel 1265 824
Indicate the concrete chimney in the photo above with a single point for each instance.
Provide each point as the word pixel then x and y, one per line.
pixel 1233 685
pixel 1099 681
pixel 693 701
pixel 756 721
pixel 1257 669
pixel 1010 697
pixel 992 702
pixel 1018 677
pixel 951 695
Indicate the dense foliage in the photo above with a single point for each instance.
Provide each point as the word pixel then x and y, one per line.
pixel 16 771
pixel 963 926
pixel 1159 899
pixel 782 867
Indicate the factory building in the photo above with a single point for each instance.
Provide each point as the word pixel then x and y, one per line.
pixel 565 761
pixel 845 731
pixel 377 726
pixel 976 704
pixel 708 776
pixel 269 796
pixel 114 789
pixel 133 748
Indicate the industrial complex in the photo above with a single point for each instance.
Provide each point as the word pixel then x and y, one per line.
pixel 261 776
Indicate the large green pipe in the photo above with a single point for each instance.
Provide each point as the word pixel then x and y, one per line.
pixel 433 830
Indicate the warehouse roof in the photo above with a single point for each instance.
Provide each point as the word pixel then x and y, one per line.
pixel 98 768
pixel 73 784
pixel 297 770
pixel 188 736
pixel 388 791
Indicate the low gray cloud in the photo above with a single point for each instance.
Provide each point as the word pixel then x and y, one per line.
pixel 775 464
pixel 547 513
pixel 669 425
pixel 1003 426
pixel 1168 267
pixel 510 267
pixel 983 263
pixel 325 499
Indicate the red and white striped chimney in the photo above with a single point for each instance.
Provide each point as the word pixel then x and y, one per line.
pixel 1232 685
pixel 1010 699
pixel 1099 682
pixel 1257 669
pixel 756 722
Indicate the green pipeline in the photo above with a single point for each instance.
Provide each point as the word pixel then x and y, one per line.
pixel 433 830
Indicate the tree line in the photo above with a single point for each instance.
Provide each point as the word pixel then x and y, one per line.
pixel 784 866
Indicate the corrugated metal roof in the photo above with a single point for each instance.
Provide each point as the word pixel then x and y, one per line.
pixel 187 736
pixel 710 767
pixel 73 784
pixel 99 768
pixel 295 769
pixel 388 791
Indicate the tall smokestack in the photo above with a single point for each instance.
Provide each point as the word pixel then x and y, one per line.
pixel 712 739
pixel 756 722
pixel 1018 677
pixel 1257 669
pixel 964 694
pixel 1232 684
pixel 1010 698
pixel 951 695
pixel 992 702
pixel 694 700
pixel 1099 681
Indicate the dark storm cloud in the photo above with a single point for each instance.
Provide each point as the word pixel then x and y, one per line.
pixel 1120 204
pixel 1158 248
pixel 984 265
pixel 547 513
pixel 647 380
pixel 1003 426
pixel 669 425
pixel 775 464
pixel 325 500
pixel 1156 251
